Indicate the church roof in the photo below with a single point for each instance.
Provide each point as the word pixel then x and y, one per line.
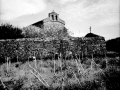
pixel 38 24
pixel 91 35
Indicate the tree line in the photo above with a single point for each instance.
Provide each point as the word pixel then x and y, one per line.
pixel 8 31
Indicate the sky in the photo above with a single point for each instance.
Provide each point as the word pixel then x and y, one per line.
pixel 102 15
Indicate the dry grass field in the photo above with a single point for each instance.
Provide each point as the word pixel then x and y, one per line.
pixel 76 74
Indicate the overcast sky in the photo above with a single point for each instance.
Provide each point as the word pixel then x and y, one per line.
pixel 79 15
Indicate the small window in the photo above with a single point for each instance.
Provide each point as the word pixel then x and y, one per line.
pixel 56 17
pixel 52 17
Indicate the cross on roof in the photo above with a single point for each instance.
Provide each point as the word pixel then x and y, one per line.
pixel 90 29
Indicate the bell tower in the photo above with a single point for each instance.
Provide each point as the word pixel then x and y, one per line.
pixel 53 16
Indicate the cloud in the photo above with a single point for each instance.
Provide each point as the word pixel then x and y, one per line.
pixel 79 15
pixel 11 9
pixel 102 10
pixel 95 13
pixel 66 1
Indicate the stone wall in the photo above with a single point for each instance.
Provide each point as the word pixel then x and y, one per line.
pixel 53 25
pixel 24 48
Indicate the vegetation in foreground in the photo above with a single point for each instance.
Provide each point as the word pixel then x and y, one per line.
pixel 90 74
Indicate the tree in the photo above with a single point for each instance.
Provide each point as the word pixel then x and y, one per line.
pixel 46 33
pixel 33 32
pixel 8 31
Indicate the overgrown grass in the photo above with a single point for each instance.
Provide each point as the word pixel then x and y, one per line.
pixel 90 74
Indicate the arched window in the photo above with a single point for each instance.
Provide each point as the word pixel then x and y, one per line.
pixel 52 17
pixel 56 17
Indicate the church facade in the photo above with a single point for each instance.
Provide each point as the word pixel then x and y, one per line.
pixel 51 22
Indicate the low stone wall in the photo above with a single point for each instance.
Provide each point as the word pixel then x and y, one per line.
pixel 26 47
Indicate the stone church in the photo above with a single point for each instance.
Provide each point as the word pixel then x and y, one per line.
pixel 51 22
pixel 91 44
